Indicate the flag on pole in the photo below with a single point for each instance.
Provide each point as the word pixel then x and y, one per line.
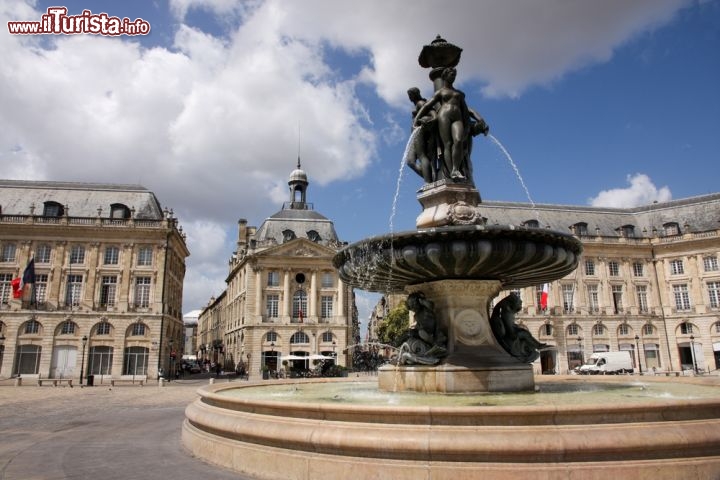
pixel 28 282
pixel 544 297
pixel 16 287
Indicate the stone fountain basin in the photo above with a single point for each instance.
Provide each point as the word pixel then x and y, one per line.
pixel 515 256
pixel 267 439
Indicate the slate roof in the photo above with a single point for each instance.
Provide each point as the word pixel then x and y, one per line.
pixel 81 199
pixel 299 221
pixel 693 214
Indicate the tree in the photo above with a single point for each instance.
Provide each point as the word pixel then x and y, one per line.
pixel 397 322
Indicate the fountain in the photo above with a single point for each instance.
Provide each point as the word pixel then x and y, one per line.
pixel 458 354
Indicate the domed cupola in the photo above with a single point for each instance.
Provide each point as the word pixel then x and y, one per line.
pixel 298 184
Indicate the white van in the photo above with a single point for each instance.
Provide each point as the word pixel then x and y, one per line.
pixel 601 363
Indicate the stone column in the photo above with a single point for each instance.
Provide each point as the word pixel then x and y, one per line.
pixel 258 293
pixel 313 295
pixel 340 300
pixel 286 296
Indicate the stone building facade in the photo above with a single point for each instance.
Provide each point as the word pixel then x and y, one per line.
pixel 648 282
pixel 109 266
pixel 284 300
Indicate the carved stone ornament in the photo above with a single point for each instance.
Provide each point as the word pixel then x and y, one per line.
pixel 462 213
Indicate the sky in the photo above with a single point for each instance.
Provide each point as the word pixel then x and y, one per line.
pixel 613 103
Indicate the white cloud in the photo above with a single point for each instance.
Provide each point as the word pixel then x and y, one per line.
pixel 508 46
pixel 210 248
pixel 641 191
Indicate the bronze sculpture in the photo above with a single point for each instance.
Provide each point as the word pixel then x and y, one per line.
pixel 453 122
pixel 516 340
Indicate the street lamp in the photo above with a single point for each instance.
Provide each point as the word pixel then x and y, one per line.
pixel 171 373
pixel 637 350
pixel 334 345
pixel 692 352
pixel 82 358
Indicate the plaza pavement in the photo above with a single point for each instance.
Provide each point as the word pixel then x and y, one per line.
pixel 125 432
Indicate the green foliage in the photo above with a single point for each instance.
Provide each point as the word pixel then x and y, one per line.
pixel 397 322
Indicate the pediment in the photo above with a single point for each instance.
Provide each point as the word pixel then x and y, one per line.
pixel 298 248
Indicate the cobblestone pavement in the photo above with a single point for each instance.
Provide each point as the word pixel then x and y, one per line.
pixel 125 432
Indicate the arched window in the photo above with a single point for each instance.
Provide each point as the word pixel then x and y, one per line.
pixel 67 327
pixel 546 330
pixel 271 337
pixel 53 209
pixel 120 211
pixel 686 328
pixel 648 329
pixel 314 236
pixel 299 337
pixel 573 329
pixel 138 330
pixel 327 336
pixel 288 235
pixel 531 224
pixel 103 328
pixel 32 327
pixel 598 329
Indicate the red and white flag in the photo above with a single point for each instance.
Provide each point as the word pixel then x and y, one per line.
pixel 544 296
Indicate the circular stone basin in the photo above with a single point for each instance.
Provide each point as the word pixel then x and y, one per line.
pixel 516 256
pixel 622 427
pixel 547 394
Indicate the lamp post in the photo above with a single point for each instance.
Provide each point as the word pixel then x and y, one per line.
pixel 82 359
pixel 171 373
pixel 692 352
pixel 580 350
pixel 637 350
pixel 2 347
pixel 272 355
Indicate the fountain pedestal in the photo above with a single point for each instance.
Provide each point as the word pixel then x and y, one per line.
pixel 475 361
pixel 447 203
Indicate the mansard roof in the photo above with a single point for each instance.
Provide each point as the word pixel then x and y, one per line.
pixel 301 223
pixel 693 214
pixel 81 199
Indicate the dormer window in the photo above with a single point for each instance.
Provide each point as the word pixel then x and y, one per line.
pixel 627 231
pixel 288 235
pixel 580 228
pixel 119 211
pixel 53 209
pixel 531 224
pixel 314 236
pixel 671 228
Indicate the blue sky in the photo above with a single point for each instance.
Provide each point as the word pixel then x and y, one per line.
pixel 609 103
